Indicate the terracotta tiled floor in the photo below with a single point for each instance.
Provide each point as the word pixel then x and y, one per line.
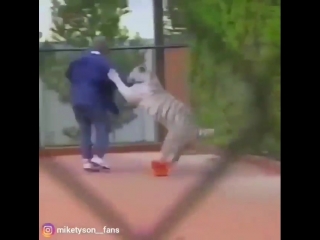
pixel 244 206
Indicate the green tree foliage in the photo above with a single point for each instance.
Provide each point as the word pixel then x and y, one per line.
pixel 235 69
pixel 175 31
pixel 76 23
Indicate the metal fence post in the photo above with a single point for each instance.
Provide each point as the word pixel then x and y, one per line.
pixel 159 52
pixel 159 39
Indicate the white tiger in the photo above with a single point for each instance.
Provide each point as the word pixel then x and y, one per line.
pixel 148 93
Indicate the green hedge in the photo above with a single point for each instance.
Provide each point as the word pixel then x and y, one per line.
pixel 235 69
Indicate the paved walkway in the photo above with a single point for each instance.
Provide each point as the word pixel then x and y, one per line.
pixel 244 206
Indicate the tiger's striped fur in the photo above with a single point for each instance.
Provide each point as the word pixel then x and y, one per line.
pixel 166 109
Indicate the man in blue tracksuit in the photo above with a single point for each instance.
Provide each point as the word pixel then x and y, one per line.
pixel 92 96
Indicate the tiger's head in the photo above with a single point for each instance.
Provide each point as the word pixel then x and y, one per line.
pixel 140 75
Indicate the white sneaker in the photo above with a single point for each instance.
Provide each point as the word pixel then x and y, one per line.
pixel 100 163
pixel 87 165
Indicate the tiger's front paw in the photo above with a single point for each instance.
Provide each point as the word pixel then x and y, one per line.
pixel 113 75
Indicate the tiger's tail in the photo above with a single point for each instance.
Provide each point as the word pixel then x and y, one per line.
pixel 207 132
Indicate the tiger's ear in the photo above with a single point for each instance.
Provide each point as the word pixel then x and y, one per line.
pixel 142 69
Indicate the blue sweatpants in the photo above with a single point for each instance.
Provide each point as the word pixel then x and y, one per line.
pixel 86 118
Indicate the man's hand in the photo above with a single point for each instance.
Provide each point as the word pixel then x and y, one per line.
pixel 113 75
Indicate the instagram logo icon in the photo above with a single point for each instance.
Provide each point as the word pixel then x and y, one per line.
pixel 48 230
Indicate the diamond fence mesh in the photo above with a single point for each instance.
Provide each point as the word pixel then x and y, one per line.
pixel 235 88
pixel 256 127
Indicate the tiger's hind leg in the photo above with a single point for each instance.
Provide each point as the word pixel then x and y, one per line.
pixel 172 147
pixel 175 144
pixel 177 156
pixel 169 151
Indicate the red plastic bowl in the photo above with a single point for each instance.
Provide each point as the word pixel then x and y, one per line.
pixel 160 169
